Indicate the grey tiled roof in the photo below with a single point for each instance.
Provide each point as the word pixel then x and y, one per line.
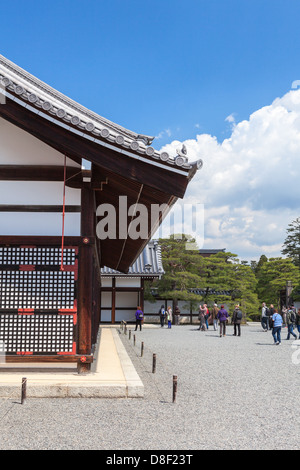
pixel 38 97
pixel 148 264
pixel 203 291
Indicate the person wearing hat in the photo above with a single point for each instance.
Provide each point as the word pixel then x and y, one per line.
pixel 223 318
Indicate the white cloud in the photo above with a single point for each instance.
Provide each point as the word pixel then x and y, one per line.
pixel 249 183
pixel 230 118
pixel 162 134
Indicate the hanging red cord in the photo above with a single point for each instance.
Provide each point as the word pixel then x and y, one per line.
pixel 63 217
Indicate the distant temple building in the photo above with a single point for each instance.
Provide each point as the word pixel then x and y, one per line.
pixel 209 252
pixel 58 163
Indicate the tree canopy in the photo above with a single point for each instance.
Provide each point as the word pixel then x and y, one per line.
pixel 291 246
pixel 221 277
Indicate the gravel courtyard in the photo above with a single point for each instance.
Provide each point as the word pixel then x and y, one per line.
pixel 233 393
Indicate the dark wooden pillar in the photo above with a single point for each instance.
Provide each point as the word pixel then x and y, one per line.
pixel 86 278
pixel 142 294
pixel 113 301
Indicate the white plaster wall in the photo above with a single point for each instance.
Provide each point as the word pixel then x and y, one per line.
pixel 37 193
pixel 106 315
pixel 17 147
pixel 40 224
pixel 106 299
pixel 106 281
pixel 126 315
pixel 128 282
pixel 126 299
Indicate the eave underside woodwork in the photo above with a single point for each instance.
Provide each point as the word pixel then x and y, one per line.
pixel 112 175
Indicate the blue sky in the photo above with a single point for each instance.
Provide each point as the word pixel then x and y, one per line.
pixel 159 65
pixel 172 69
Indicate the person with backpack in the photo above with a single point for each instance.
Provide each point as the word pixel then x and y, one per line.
pixel 139 315
pixel 237 320
pixel 162 315
pixel 265 317
pixel 290 320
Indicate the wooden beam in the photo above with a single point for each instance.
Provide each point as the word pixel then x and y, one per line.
pixel 49 358
pixel 28 208
pixel 32 240
pixel 85 277
pixel 38 173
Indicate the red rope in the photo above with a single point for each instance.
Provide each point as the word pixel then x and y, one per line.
pixel 63 218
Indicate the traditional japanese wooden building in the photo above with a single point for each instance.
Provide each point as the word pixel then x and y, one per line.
pixel 121 293
pixel 58 163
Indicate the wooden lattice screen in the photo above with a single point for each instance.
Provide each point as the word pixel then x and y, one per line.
pixel 38 300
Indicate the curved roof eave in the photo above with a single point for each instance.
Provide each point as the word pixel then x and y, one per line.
pixel 49 102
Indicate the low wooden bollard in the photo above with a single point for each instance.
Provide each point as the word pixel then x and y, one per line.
pixel 134 338
pixel 174 387
pixel 129 335
pixel 142 349
pixel 23 391
pixel 154 364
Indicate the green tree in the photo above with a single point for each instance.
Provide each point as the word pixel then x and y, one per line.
pixel 235 282
pixel 257 266
pixel 181 267
pixel 221 277
pixel 291 246
pixel 272 279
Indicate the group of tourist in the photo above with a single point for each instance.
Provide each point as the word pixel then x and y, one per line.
pixel 272 320
pixel 220 316
pixel 165 316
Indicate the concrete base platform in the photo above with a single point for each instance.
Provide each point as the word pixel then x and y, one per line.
pixel 112 376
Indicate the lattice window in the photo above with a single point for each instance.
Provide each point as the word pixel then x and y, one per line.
pixel 38 305
pixel 37 290
pixel 37 333
pixel 36 256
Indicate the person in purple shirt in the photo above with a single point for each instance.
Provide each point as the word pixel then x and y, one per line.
pixel 138 318
pixel 222 316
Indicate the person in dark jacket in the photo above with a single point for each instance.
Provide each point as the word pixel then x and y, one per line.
pixel 297 323
pixel 291 319
pixel 237 320
pixel 223 318
pixel 177 315
pixel 162 315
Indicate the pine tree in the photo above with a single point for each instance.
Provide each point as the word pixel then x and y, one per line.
pixel 272 279
pixel 181 268
pixel 291 246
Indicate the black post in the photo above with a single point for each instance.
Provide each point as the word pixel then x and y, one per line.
pixel 154 364
pixel 174 387
pixel 23 395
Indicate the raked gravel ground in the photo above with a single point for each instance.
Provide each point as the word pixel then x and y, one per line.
pixel 233 393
